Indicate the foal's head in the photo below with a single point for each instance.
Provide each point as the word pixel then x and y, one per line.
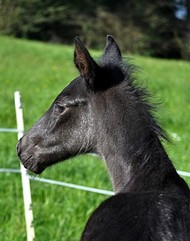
pixel 94 114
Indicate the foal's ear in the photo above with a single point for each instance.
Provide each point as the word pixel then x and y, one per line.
pixel 84 62
pixel 112 52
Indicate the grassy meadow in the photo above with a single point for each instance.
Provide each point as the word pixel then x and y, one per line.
pixel 40 71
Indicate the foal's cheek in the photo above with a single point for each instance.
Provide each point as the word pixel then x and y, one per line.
pixel 70 143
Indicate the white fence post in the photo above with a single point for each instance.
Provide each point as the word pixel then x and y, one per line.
pixel 25 178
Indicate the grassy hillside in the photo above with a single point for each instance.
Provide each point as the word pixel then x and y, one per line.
pixel 40 72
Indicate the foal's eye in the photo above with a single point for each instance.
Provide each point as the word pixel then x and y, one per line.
pixel 60 108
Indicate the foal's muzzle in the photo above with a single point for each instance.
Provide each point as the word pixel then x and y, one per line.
pixel 27 157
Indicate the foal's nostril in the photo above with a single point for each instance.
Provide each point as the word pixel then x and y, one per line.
pixel 18 146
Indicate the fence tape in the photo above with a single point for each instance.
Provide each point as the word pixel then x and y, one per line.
pixel 71 185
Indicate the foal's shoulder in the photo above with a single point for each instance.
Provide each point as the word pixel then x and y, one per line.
pixel 148 216
pixel 151 207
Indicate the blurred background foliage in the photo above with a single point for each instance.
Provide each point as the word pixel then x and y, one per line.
pixel 151 27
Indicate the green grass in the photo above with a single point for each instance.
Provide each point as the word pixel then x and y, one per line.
pixel 40 72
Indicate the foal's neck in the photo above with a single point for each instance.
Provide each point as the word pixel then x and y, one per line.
pixel 131 147
pixel 143 170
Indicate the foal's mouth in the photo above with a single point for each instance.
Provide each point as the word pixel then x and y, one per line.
pixel 29 161
pixel 32 165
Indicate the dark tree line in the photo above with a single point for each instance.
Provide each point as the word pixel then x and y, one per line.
pixel 151 27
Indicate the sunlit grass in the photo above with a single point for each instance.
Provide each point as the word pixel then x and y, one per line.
pixel 40 72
